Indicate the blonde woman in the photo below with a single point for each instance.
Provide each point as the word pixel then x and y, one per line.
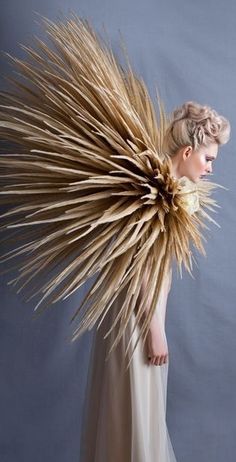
pixel 104 189
pixel 125 410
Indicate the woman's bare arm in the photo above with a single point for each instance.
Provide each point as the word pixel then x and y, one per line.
pixel 163 296
pixel 157 349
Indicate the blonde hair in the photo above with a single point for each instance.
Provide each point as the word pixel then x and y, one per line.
pixel 195 125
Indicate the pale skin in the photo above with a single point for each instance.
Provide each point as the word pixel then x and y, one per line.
pixel 156 345
pixel 194 164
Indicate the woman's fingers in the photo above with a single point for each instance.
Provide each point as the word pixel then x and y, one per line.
pixel 163 360
pixel 158 360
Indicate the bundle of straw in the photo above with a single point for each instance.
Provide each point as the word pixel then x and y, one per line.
pixel 85 179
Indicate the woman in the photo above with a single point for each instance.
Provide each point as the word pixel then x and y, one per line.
pixel 103 188
pixel 125 410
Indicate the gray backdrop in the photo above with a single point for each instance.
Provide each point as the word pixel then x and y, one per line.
pixel 189 50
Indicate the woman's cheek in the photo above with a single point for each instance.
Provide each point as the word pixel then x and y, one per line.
pixel 203 165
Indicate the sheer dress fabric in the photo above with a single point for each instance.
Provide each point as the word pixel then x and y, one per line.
pixel 124 416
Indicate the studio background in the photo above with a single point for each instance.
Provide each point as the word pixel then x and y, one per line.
pixel 188 49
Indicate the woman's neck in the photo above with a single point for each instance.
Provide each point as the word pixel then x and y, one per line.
pixel 175 167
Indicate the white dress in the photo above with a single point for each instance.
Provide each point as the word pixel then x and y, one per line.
pixel 124 417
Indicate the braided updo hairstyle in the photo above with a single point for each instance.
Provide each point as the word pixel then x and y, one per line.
pixel 195 125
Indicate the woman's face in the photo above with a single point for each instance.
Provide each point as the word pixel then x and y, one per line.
pixel 198 163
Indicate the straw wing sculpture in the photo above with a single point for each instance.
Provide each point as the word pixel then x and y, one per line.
pixel 84 178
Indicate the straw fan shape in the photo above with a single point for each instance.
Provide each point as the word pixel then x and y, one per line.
pixel 84 180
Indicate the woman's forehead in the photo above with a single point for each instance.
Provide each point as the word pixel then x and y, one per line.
pixel 211 149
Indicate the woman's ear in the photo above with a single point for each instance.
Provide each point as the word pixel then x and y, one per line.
pixel 187 151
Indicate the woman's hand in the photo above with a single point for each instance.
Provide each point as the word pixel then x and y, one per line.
pixel 157 349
